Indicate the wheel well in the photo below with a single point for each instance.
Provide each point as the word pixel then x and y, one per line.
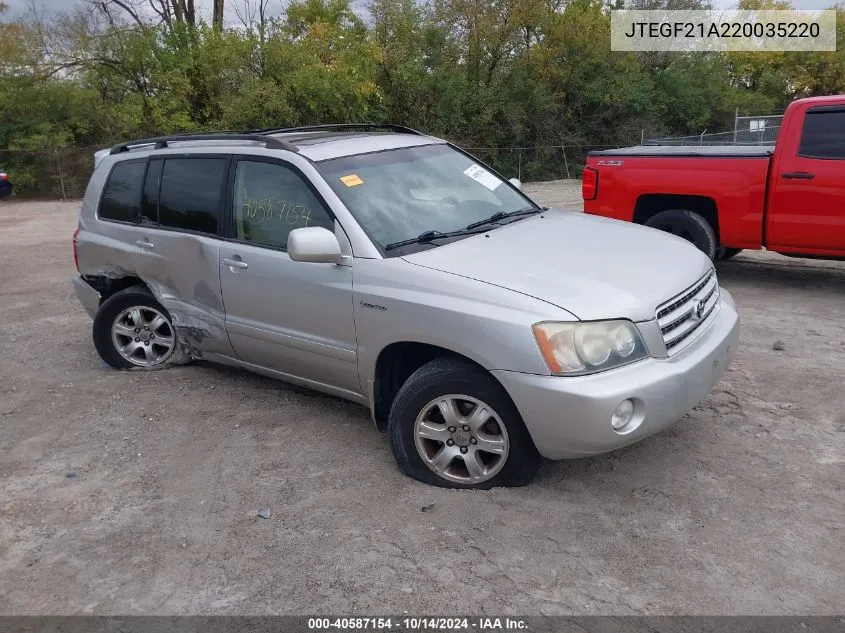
pixel 108 286
pixel 394 366
pixel 651 204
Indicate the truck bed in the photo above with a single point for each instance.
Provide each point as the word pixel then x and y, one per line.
pixel 725 184
pixel 703 151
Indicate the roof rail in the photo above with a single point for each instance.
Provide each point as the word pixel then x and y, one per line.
pixel 343 126
pixel 161 142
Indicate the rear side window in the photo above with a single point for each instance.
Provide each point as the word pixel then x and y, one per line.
pixel 122 195
pixel 191 194
pixel 823 135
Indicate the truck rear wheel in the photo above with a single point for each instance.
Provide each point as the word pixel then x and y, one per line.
pixel 689 226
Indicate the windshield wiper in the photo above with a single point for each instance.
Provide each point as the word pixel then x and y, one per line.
pixel 501 215
pixel 427 236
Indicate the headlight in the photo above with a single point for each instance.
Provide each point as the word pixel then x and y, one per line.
pixel 572 349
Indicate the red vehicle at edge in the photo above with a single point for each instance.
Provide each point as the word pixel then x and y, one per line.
pixel 789 198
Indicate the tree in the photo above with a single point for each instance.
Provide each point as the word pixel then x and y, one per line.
pixel 492 74
pixel 217 15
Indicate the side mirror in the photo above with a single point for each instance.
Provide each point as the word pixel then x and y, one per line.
pixel 313 244
pixel 516 182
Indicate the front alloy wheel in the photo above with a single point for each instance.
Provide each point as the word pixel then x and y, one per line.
pixel 453 425
pixel 461 439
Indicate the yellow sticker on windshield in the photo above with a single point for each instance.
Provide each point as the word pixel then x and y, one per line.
pixel 351 180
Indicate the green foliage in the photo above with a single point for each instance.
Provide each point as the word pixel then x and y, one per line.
pixel 497 74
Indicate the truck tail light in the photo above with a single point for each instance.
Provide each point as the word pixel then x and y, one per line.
pixel 76 248
pixel 4 176
pixel 589 183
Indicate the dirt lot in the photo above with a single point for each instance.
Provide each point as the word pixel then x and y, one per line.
pixel 136 492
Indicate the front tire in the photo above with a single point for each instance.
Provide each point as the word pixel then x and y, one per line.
pixel 132 329
pixel 452 425
pixel 689 226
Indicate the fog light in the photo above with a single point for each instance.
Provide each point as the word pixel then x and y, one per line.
pixel 622 415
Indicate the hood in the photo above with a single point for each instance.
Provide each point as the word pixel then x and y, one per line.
pixel 591 266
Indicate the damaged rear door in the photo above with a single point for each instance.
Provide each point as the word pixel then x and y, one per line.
pixel 177 247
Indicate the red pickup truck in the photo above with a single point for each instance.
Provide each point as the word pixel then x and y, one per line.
pixel 789 198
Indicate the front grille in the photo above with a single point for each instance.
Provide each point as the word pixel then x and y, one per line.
pixel 682 317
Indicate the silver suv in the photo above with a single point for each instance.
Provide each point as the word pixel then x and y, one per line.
pixel 397 271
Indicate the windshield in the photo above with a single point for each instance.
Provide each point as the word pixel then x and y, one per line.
pixel 400 194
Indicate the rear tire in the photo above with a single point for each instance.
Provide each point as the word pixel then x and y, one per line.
pixel 479 442
pixel 132 329
pixel 728 253
pixel 689 226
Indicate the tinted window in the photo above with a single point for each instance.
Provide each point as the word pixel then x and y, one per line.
pixel 149 202
pixel 122 194
pixel 823 135
pixel 191 190
pixel 271 201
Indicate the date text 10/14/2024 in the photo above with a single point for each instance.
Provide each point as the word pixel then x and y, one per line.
pixel 406 623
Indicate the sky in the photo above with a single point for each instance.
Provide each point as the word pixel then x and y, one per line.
pixel 52 6
pixel 204 6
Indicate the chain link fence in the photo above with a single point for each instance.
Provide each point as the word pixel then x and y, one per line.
pixel 538 163
pixel 748 130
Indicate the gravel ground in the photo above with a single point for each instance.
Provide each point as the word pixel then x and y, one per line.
pixel 137 492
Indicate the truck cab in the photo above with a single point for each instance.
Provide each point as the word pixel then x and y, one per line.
pixel 805 203
pixel 788 198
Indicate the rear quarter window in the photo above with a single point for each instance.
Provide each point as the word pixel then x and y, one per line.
pixel 121 198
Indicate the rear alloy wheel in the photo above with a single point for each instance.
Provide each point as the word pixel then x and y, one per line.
pixel 132 329
pixel 453 425
pixel 689 226
pixel 143 336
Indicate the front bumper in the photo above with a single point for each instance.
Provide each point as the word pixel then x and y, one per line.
pixel 88 297
pixel 570 416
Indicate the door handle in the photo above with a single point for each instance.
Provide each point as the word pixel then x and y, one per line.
pixel 798 175
pixel 145 244
pixel 235 263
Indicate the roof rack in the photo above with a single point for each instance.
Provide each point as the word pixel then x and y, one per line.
pixel 161 142
pixel 343 126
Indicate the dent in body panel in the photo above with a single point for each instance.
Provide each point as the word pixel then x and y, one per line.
pixel 104 256
pixel 488 325
pixel 197 334
pixel 183 273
